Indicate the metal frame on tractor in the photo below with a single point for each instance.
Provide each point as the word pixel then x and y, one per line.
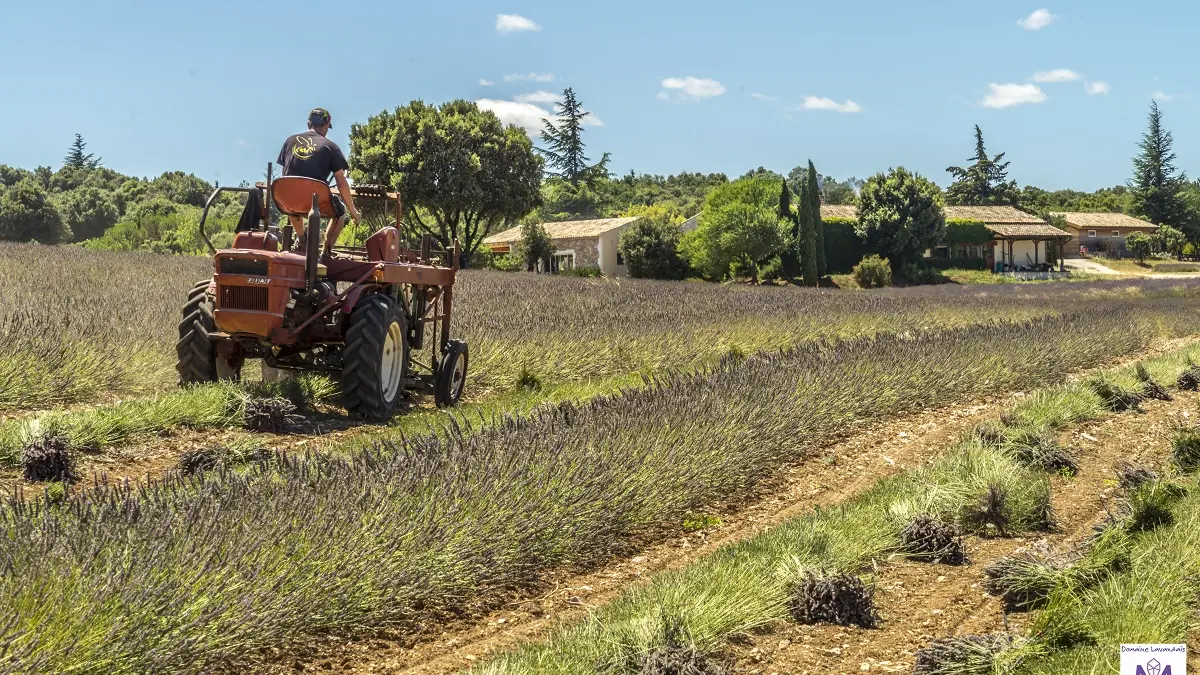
pixel 311 313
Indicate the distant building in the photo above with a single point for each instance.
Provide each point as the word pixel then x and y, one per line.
pixel 1019 240
pixel 578 243
pixel 1101 232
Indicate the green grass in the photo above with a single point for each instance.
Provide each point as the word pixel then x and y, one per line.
pixel 744 586
pixel 209 406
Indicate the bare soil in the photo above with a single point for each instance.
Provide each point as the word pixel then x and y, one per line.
pixel 920 602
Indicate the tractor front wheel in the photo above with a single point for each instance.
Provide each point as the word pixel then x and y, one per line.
pixel 451 375
pixel 375 359
pixel 198 360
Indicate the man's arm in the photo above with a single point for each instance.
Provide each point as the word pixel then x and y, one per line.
pixel 344 191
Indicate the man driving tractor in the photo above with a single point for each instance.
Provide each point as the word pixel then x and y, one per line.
pixel 312 155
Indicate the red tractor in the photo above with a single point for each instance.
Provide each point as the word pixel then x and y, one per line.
pixel 363 314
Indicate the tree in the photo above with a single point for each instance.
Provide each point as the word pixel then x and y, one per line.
pixel 808 235
pixel 459 170
pixel 535 246
pixel 739 229
pixel 900 215
pixel 814 204
pixel 88 211
pixel 76 157
pixel 984 183
pixel 27 214
pixel 1138 244
pixel 650 246
pixel 1156 182
pixel 564 143
pixel 1170 240
pixel 736 237
pixel 11 175
pixel 762 172
pixel 181 188
pixel 789 257
pixel 563 200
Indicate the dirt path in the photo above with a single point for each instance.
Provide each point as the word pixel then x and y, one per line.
pixel 919 602
pixel 837 474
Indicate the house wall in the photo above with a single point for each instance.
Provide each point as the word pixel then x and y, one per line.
pixel 586 250
pixel 1103 239
pixel 609 254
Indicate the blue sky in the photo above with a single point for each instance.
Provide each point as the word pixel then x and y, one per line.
pixel 213 87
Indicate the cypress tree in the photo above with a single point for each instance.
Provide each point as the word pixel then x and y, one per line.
pixel 808 236
pixel 814 191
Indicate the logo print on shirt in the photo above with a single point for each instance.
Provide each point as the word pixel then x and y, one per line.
pixel 304 147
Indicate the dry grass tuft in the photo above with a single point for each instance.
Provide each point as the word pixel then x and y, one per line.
pixel 48 458
pixel 837 598
pixel 927 538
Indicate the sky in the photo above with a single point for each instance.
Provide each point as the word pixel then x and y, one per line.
pixel 214 87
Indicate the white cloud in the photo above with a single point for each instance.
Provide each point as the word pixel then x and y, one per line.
pixel 529 77
pixel 485 83
pixel 513 23
pixel 689 88
pixel 822 103
pixel 527 115
pixel 1094 88
pixel 1056 75
pixel 763 97
pixel 1037 20
pixel 538 97
pixel 1005 95
pixel 1163 96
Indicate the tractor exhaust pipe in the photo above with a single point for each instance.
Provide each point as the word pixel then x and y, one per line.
pixel 312 248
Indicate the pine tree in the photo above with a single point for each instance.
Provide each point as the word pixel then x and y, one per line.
pixel 808 235
pixel 564 143
pixel 1156 182
pixel 76 158
pixel 983 183
pixel 789 259
pixel 814 192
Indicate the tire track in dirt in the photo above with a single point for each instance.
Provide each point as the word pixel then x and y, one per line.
pixel 920 602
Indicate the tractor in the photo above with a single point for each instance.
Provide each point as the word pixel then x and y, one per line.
pixel 363 314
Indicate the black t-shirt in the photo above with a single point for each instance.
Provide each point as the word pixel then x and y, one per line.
pixel 311 155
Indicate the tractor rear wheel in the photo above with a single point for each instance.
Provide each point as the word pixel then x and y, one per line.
pixel 375 358
pixel 198 360
pixel 451 375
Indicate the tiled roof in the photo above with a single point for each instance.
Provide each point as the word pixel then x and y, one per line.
pixel 990 214
pixel 1104 221
pixel 847 211
pixel 1022 230
pixel 569 229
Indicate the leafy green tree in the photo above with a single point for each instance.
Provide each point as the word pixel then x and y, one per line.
pixel 1105 200
pixel 76 157
pixel 650 246
pixel 564 143
pixel 900 215
pixel 983 183
pixel 1169 240
pixel 11 175
pixel 564 200
pixel 1156 182
pixel 762 172
pixel 181 188
pixel 814 205
pixel 27 214
pixel 458 169
pixel 88 211
pixel 129 193
pixel 1138 244
pixel 808 234
pixel 739 227
pixel 535 246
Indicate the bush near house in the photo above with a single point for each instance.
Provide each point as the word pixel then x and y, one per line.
pixel 873 272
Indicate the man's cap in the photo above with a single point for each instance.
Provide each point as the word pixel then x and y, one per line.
pixel 319 117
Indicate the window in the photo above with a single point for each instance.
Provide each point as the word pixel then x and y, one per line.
pixel 620 258
pixel 1091 233
pixel 1116 233
pixel 564 261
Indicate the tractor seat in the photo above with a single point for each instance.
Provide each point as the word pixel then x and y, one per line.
pixel 293 196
